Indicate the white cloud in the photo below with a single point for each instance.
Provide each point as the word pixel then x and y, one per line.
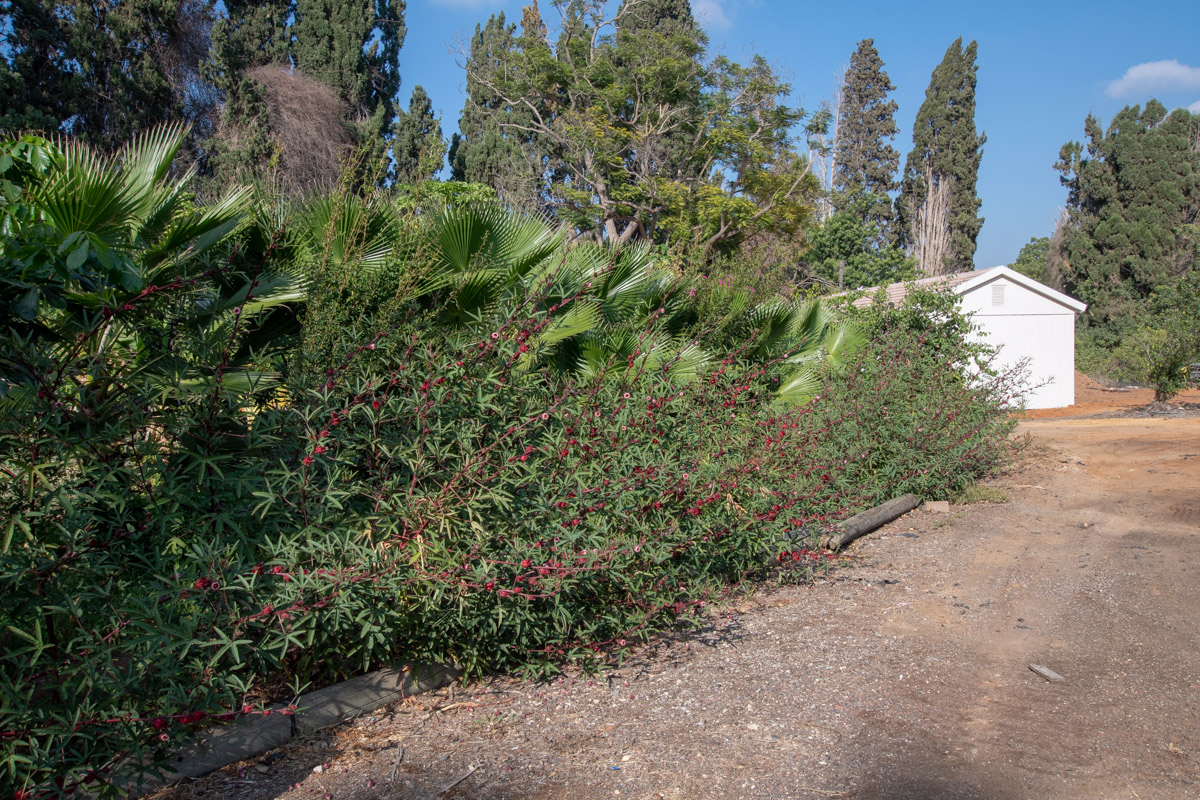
pixel 710 13
pixel 1155 76
pixel 1195 107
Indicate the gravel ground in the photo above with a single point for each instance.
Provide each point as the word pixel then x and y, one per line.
pixel 905 676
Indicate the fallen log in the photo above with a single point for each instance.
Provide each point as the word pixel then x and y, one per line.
pixel 846 532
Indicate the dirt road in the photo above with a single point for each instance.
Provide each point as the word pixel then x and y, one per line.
pixel 905 678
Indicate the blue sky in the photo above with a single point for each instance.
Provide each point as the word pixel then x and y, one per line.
pixel 1043 66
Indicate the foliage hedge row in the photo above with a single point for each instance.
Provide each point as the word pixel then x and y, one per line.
pixel 427 495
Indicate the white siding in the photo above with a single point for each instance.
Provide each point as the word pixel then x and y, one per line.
pixel 1017 300
pixel 1028 325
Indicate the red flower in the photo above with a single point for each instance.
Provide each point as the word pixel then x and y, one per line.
pixel 490 585
pixel 308 460
pixel 526 563
pixel 319 449
pixel 160 723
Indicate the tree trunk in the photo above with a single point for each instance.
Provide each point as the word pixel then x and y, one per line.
pixel 931 225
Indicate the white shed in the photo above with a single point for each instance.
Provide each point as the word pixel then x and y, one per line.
pixel 1021 317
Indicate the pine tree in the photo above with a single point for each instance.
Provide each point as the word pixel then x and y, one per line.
pixel 865 164
pixel 417 146
pixel 103 71
pixel 1132 210
pixel 937 212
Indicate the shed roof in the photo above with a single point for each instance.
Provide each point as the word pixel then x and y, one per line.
pixel 963 282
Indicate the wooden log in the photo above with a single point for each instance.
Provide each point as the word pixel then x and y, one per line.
pixel 869 520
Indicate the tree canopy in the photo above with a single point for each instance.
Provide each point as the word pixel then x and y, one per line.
pixel 627 133
pixel 418 149
pixel 103 71
pixel 865 162
pixel 1033 258
pixel 1132 205
pixel 938 207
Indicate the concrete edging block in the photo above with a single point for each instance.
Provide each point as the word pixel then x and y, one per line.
pixel 217 747
pixel 220 746
pixel 357 696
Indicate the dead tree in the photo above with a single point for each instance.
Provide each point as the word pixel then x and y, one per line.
pixel 931 225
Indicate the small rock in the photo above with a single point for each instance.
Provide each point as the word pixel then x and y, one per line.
pixel 1047 673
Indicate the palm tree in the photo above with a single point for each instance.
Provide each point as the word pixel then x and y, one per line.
pixel 107 265
pixel 611 305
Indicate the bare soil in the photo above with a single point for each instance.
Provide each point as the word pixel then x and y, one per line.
pixel 904 677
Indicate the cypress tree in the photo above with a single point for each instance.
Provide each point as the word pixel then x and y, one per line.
pixel 416 137
pixel 267 53
pixel 865 164
pixel 254 33
pixel 938 208
pixel 35 78
pixel 353 46
pixel 484 151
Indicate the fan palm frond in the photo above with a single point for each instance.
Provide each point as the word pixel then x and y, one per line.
pixel 799 387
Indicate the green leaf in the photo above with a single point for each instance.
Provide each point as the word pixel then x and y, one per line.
pixel 78 256
pixel 27 307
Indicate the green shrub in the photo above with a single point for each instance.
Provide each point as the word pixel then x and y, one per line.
pixel 1160 347
pixel 434 487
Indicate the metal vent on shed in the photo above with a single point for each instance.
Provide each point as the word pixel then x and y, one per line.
pixel 997 294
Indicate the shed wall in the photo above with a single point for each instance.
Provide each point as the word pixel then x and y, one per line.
pixel 1027 325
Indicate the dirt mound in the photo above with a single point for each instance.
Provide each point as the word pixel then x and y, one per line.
pixel 1085 383
pixel 1158 409
pixel 1093 399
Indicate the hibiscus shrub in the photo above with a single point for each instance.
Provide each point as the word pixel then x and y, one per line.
pixel 435 499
